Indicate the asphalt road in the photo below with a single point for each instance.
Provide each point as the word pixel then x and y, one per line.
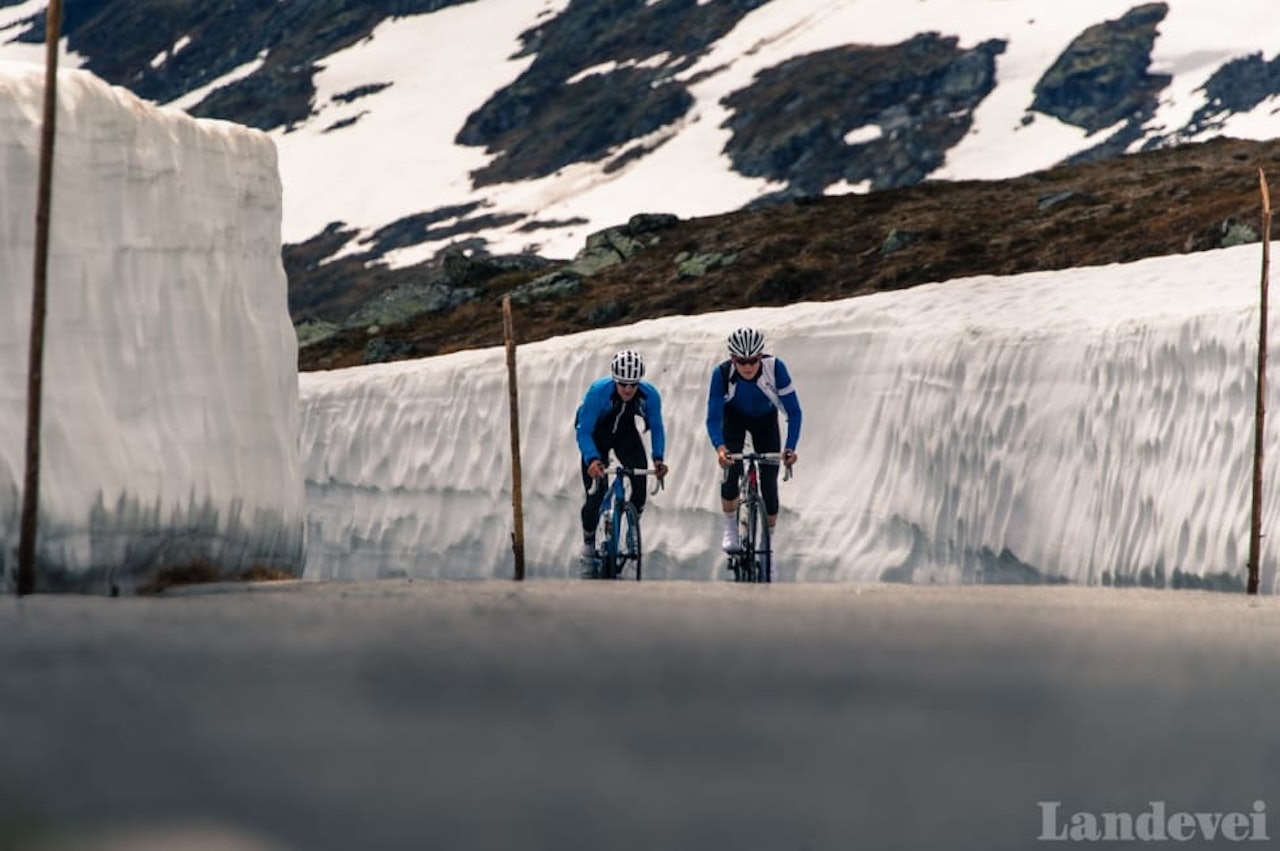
pixel 659 715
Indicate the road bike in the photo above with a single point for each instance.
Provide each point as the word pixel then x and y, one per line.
pixel 754 561
pixel 618 544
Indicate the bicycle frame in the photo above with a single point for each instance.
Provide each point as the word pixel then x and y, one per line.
pixel 620 545
pixel 754 562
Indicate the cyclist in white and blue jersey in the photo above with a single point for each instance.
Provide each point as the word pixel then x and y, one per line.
pixel 746 393
pixel 606 421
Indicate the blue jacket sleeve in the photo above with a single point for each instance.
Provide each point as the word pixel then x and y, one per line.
pixel 657 431
pixel 790 404
pixel 715 409
pixel 593 405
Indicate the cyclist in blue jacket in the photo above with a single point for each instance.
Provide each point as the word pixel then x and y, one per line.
pixel 745 395
pixel 606 420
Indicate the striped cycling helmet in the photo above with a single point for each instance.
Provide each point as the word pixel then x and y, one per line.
pixel 746 343
pixel 627 367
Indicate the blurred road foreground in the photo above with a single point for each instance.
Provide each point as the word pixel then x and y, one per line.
pixel 659 715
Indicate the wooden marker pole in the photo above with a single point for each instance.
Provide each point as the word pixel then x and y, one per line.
pixel 1260 407
pixel 517 507
pixel 39 297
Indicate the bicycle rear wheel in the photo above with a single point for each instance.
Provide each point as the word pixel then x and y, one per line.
pixel 627 534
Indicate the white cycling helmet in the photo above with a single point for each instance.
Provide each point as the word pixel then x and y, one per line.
pixel 746 343
pixel 627 367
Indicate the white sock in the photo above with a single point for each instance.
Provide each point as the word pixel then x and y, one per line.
pixel 730 520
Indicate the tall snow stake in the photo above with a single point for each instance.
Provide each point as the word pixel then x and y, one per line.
pixel 35 365
pixel 1260 406
pixel 517 508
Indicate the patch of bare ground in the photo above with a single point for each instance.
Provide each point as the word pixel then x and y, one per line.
pixel 1191 198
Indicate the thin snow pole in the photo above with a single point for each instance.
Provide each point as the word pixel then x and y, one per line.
pixel 35 366
pixel 1255 522
pixel 517 507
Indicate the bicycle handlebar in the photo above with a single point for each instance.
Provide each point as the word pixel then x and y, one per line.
pixel 762 458
pixel 620 470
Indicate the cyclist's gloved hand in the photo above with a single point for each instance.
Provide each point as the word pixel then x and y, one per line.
pixel 722 457
pixel 661 468
pixel 789 457
pixel 595 469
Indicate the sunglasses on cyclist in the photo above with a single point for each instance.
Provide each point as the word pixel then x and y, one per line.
pixel 625 384
pixel 746 361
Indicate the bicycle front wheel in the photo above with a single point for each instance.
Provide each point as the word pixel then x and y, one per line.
pixel 756 546
pixel 764 549
pixel 607 546
pixel 627 531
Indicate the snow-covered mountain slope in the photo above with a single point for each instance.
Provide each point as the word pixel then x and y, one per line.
pixel 524 125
